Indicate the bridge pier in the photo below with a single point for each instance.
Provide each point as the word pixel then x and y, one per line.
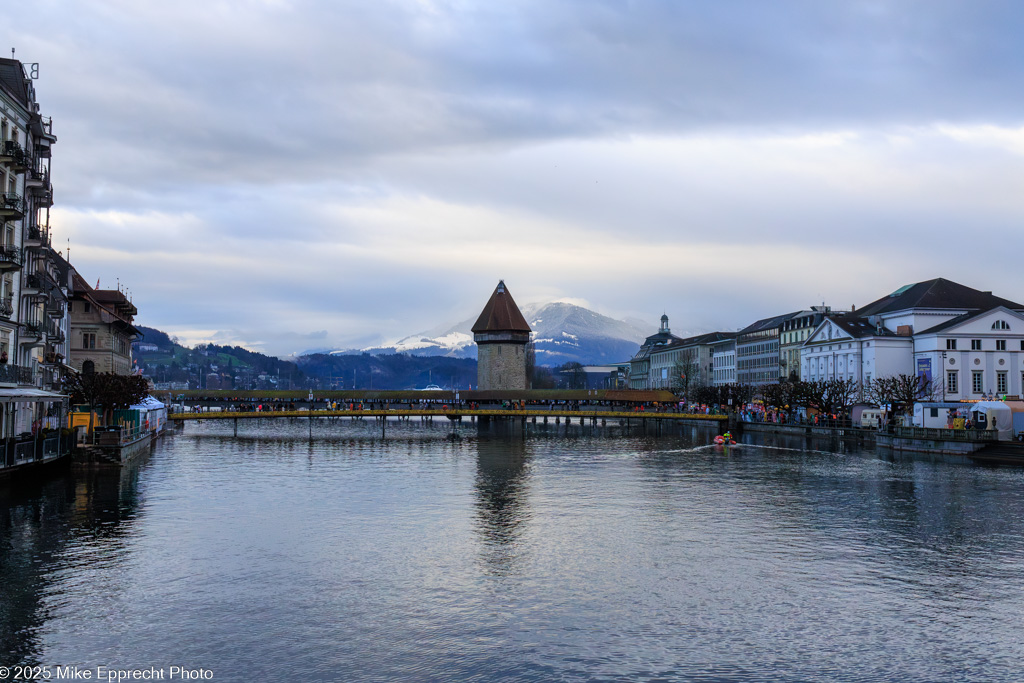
pixel 236 426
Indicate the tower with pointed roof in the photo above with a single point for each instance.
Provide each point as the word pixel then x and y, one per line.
pixel 501 334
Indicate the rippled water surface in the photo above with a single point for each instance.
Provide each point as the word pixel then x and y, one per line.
pixel 564 555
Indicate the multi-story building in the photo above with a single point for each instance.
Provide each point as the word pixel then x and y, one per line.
pixel 792 335
pixel 102 329
pixel 691 356
pixel 32 291
pixel 965 343
pixel 723 361
pixel 640 364
pixel 757 351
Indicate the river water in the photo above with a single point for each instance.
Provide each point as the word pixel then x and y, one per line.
pixel 569 554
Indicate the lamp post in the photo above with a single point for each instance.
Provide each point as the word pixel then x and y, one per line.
pixel 942 377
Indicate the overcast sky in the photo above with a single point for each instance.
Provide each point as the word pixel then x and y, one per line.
pixel 288 175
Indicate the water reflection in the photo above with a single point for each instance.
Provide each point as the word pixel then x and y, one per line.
pixel 502 509
pixel 41 522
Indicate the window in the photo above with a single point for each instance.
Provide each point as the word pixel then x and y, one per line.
pixel 975 345
pixel 977 381
pixel 1000 344
pixel 1000 325
pixel 88 340
pixel 87 308
pixel 952 386
pixel 951 344
pixel 1001 382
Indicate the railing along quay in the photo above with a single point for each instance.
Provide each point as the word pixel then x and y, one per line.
pixel 450 412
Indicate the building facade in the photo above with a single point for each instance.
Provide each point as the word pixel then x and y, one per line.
pixel 723 361
pixel 33 293
pixel 965 344
pixel 690 356
pixel 757 351
pixel 792 335
pixel 102 329
pixel 640 373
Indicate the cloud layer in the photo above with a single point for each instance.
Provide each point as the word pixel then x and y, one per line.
pixel 290 175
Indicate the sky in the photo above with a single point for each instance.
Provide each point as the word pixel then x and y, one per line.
pixel 294 175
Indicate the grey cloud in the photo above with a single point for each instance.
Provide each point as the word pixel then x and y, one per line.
pixel 311 90
pixel 234 140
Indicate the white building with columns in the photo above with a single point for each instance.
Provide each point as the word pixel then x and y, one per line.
pixel 967 342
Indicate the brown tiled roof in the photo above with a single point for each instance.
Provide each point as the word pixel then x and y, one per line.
pixel 501 314
pixel 112 301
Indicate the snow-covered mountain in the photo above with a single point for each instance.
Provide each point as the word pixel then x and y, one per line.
pixel 563 332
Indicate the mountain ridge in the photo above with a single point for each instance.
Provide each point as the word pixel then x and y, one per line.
pixel 563 332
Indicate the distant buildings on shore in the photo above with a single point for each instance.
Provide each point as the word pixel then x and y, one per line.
pixel 967 344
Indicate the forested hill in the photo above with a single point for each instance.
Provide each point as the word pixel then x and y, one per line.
pixel 233 367
pixel 206 365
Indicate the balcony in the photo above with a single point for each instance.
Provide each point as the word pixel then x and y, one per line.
pixel 37 177
pixel 36 236
pixel 10 259
pixel 50 285
pixel 54 333
pixel 32 330
pixel 42 196
pixel 55 308
pixel 13 156
pixel 12 206
pixel 51 356
pixel 15 374
pixel 42 129
pixel 32 285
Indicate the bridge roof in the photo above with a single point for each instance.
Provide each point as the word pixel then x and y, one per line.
pixel 501 314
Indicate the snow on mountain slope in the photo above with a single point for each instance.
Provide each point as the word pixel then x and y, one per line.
pixel 563 332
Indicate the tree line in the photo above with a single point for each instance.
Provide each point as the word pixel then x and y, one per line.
pixel 830 396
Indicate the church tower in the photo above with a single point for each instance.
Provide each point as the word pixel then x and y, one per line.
pixel 501 334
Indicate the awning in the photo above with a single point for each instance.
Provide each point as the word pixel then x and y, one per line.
pixel 148 403
pixel 11 395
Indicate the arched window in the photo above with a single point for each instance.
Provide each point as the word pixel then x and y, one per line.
pixel 88 367
pixel 1000 325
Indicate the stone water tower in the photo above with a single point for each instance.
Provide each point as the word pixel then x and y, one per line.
pixel 501 334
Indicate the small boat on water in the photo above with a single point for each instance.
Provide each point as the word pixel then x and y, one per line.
pixel 724 440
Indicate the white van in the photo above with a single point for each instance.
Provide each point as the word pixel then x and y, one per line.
pixel 871 418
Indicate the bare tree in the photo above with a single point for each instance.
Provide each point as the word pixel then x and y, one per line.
pixel 105 389
pixel 900 391
pixel 911 388
pixel 880 390
pixel 841 394
pixel 686 371
pixel 778 395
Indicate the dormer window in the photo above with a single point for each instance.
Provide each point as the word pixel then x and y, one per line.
pixel 1000 325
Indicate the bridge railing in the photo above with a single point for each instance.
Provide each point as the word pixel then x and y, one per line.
pixel 447 412
pixel 941 434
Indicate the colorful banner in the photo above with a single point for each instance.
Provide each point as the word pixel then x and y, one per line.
pixel 924 374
